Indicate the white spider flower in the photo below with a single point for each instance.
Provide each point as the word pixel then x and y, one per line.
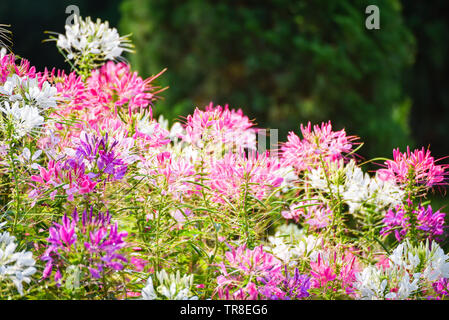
pixel 27 90
pixel 410 268
pixel 290 244
pixel 146 125
pixel 11 88
pixel 171 287
pixel 26 158
pixel 43 98
pixel 428 259
pixel 329 180
pixel 23 118
pixel 85 37
pixel 17 267
pixel 376 283
pixel 371 284
pixel 360 189
pixel 148 292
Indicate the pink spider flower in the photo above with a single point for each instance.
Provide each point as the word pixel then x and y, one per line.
pixel 316 216
pixel 235 174
pixel 70 89
pixel 321 142
pixel 47 179
pixel 114 85
pixel 242 264
pixel 70 176
pixel 171 174
pixel 218 125
pixel 335 270
pixel 151 136
pixel 8 67
pixel 417 167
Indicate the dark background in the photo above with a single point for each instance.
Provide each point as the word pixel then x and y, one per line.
pixel 283 62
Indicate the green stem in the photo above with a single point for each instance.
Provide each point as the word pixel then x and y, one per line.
pixel 16 183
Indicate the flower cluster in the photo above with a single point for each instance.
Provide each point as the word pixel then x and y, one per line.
pixel 84 38
pixel 222 127
pixel 319 144
pixel 252 274
pixel 93 241
pixel 429 223
pixel 15 266
pixel 410 271
pixel 171 287
pixel 119 203
pixel 417 167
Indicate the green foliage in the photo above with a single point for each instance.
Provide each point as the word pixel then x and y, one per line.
pixel 427 81
pixel 283 62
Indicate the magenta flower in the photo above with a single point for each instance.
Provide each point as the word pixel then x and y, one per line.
pixel 93 241
pixel 114 85
pixel 430 224
pixel 8 67
pixel 237 173
pixel 441 287
pixel 333 270
pixel 321 142
pixel 322 272
pixel 243 264
pixel 396 221
pixel 417 167
pixel 316 216
pixel 218 125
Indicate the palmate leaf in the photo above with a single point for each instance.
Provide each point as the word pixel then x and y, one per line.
pixel 5 36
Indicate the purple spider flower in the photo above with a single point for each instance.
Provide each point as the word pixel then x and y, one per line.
pixel 430 223
pixel 93 240
pixel 397 221
pixel 98 150
pixel 286 287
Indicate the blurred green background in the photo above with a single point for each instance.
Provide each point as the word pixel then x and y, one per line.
pixel 283 62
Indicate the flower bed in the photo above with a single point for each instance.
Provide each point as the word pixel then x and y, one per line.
pixel 102 201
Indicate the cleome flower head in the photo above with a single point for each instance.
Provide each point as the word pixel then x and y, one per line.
pixel 319 143
pixel 171 286
pixel 236 173
pixel 84 38
pixel 15 266
pixel 417 167
pixel 9 67
pixel 429 224
pixel 114 85
pixel 93 241
pixel 411 271
pixel 29 90
pixel 19 119
pixel 220 126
